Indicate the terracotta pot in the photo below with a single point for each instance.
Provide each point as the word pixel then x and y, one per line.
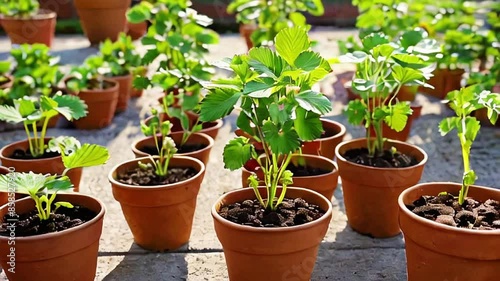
pixel 444 81
pixel 403 135
pixel 53 165
pixel 436 251
pixel 246 31
pixel 135 93
pixel 324 184
pixel 197 138
pixel 124 88
pixel 209 128
pixel 101 106
pixel 325 146
pixel 137 30
pixel 37 29
pixel 407 93
pixel 250 251
pixel 66 255
pixel 63 8
pixel 102 19
pixel 371 194
pixel 160 217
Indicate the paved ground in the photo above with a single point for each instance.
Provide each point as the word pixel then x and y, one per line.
pixel 344 254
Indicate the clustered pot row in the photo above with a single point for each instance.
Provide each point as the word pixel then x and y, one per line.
pixel 282 216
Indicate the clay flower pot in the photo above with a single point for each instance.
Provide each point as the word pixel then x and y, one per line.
pixel 246 31
pixel 102 19
pixel 137 30
pixel 324 184
pixel 271 253
pixel 53 165
pixel 436 251
pixel 39 28
pixel 325 146
pixel 101 106
pixel 66 255
pixel 209 128
pixel 197 138
pixel 160 217
pixel 371 194
pixel 124 88
pixel 444 81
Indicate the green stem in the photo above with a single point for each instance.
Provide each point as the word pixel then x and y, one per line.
pixel 284 186
pixel 465 155
pixel 29 137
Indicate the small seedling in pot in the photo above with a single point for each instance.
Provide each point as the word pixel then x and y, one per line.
pixel 278 107
pixel 30 113
pixel 43 189
pixel 464 102
pixel 180 113
pixel 164 144
pixel 381 70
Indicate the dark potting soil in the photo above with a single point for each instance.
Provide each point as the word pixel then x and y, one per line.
pixel 290 212
pixel 471 214
pixel 26 155
pixel 29 224
pixel 147 177
pixel 305 171
pixel 187 148
pixel 387 160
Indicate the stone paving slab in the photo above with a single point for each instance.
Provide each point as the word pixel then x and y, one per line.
pixel 344 254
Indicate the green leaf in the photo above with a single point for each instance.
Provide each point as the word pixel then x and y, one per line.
pixel 448 124
pixel 88 155
pixel 290 42
pixel 406 75
pixel 261 88
pixel 263 60
pixel 58 184
pixel 308 60
pixel 281 141
pixel 354 57
pixel 10 114
pixel 410 61
pixel 307 125
pixel 373 40
pixel 356 112
pixel 236 153
pixel 278 115
pixel 314 101
pixel 218 103
pixel 411 38
pixel 76 107
pixel 469 178
pixel 64 204
pixel 398 116
pixel 472 128
pixel 140 13
pixel 26 107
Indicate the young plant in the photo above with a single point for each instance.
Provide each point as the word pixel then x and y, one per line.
pixel 278 107
pixel 87 76
pixel 464 102
pixel 180 113
pixel 164 144
pixel 179 38
pixel 273 16
pixel 381 70
pixel 43 188
pixel 120 57
pixel 19 8
pixel 31 113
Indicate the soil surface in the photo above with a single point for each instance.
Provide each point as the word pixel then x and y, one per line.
pixel 289 213
pixel 387 160
pixel 29 224
pixel 147 177
pixel 26 155
pixel 306 171
pixel 187 148
pixel 471 214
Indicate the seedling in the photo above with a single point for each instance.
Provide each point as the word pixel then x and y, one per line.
pixel 164 144
pixel 277 107
pixel 464 102
pixel 181 115
pixel 87 75
pixel 44 188
pixel 31 113
pixel 381 70
pixel 120 57
pixel 19 8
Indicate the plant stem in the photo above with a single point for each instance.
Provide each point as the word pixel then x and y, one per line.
pixel 465 155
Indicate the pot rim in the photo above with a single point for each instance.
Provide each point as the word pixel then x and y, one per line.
pixel 247 228
pixel 115 182
pixel 210 140
pixel 41 14
pixel 421 163
pixel 440 226
pixel 335 166
pixel 342 132
pixel 66 231
pixel 2 150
